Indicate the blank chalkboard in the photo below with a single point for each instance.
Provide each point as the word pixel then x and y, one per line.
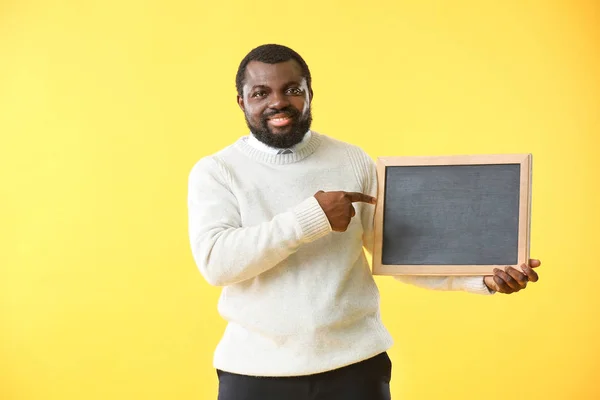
pixel 463 215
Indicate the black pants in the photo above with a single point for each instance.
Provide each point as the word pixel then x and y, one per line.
pixel 366 380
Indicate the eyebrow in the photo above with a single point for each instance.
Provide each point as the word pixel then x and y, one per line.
pixel 290 83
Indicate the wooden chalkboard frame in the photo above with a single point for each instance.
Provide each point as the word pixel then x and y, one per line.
pixel 524 222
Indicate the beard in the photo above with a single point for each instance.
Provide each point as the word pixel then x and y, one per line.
pixel 299 127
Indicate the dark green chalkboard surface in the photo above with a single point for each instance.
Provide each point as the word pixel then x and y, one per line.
pixel 452 215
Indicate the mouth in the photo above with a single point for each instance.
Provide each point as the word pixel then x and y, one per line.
pixel 280 120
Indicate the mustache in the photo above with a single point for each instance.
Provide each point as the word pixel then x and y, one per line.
pixel 289 112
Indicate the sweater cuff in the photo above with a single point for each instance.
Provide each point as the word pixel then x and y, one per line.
pixel 312 219
pixel 475 284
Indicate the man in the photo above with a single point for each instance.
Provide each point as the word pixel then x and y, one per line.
pixel 279 219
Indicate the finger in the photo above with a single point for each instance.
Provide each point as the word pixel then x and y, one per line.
pixel 347 224
pixel 520 277
pixel 533 263
pixel 502 285
pixel 531 274
pixel 352 211
pixel 357 196
pixel 512 283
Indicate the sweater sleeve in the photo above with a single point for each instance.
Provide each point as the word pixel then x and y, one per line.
pixel 367 173
pixel 227 253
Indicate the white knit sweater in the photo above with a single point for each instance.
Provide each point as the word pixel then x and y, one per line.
pixel 298 298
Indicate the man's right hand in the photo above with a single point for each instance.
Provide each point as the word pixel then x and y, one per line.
pixel 338 207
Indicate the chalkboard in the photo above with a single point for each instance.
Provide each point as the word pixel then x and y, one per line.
pixel 452 215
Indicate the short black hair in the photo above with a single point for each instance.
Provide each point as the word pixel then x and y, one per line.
pixel 270 54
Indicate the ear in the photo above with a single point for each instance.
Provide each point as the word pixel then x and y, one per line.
pixel 240 101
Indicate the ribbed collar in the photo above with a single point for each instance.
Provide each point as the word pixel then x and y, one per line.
pixel 280 159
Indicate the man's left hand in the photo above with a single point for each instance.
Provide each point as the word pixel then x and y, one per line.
pixel 512 280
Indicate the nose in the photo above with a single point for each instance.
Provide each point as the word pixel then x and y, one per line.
pixel 278 101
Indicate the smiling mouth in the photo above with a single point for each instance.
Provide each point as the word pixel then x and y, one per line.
pixel 280 120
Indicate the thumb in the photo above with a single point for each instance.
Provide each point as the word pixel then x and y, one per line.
pixel 490 283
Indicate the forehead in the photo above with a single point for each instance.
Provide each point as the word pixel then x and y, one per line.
pixel 259 73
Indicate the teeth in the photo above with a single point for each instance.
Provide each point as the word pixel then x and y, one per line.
pixel 279 119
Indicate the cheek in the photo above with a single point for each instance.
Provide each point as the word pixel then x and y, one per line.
pixel 252 108
pixel 300 104
pixel 253 113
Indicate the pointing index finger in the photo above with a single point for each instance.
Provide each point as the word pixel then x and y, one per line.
pixel 357 196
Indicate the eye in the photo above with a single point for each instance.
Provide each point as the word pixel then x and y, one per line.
pixel 295 91
pixel 258 93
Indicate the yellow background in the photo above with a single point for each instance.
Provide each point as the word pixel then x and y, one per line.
pixel 106 105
